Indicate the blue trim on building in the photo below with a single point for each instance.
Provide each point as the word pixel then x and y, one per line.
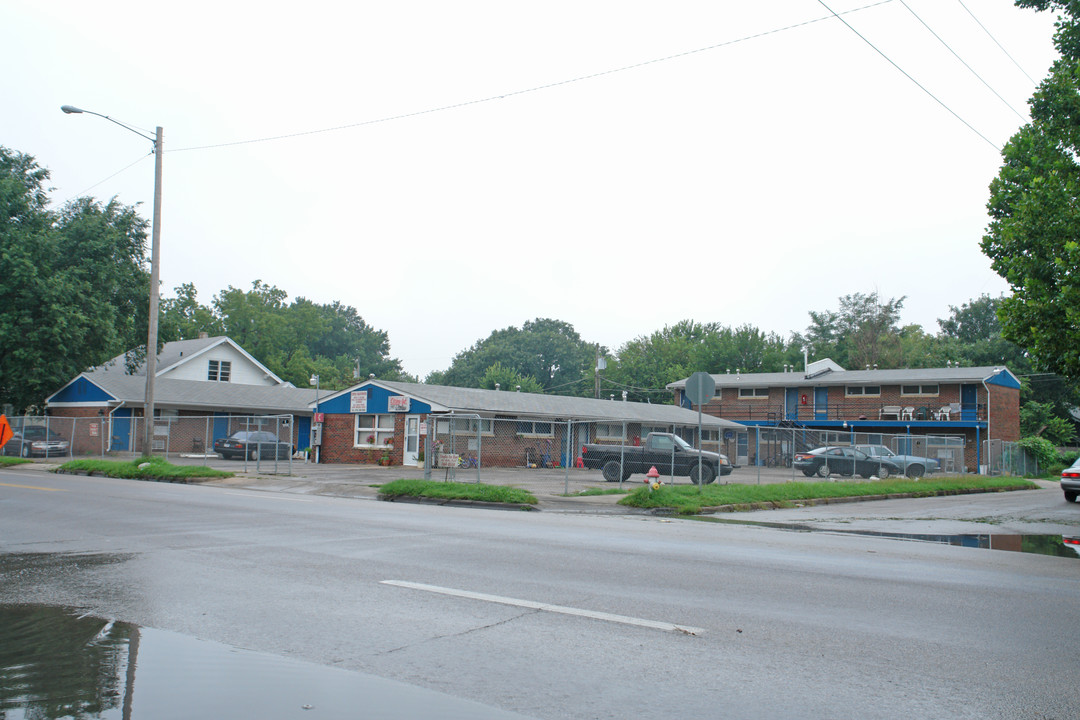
pixel 873 424
pixel 1004 379
pixel 378 402
pixel 81 391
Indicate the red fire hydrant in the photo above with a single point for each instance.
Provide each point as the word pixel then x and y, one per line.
pixel 652 478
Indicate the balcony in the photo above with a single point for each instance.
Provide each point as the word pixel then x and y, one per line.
pixel 852 412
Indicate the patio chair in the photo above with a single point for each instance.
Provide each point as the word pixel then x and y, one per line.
pixel 908 413
pixel 889 411
pixel 943 413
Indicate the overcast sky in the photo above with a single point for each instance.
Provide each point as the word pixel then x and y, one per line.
pixel 452 168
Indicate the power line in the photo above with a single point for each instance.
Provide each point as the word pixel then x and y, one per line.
pixel 99 182
pixel 957 56
pixel 1033 81
pixel 909 77
pixel 537 88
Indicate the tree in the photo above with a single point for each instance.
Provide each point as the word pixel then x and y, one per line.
pixel 294 340
pixel 549 351
pixel 1035 215
pixel 507 379
pixel 863 332
pixel 73 283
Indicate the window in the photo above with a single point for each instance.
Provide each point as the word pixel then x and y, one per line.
pixel 749 393
pixel 219 371
pixel 373 430
pixel 610 431
pixel 532 427
pixel 862 390
pixel 918 389
pixel 467 426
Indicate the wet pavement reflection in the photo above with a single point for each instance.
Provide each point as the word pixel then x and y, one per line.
pixel 60 663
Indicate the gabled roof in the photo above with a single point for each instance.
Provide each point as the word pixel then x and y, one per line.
pixel 196 394
pixel 176 353
pixel 489 403
pixel 998 374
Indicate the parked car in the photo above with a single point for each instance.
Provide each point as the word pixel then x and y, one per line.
pixel 252 444
pixel 911 465
pixel 826 461
pixel 667 452
pixel 36 441
pixel 1070 481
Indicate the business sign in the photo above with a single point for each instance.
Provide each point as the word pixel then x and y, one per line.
pixel 397 403
pixel 358 401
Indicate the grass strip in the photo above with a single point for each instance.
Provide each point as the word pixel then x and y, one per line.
pixel 142 468
pixel 689 499
pixel 599 491
pixel 456 491
pixel 8 461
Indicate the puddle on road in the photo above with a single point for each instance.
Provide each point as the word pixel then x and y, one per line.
pixel 1056 545
pixel 59 663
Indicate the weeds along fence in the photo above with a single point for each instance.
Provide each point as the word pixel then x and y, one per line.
pixel 270 440
pixel 1008 458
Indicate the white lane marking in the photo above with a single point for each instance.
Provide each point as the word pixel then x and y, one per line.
pixel 592 614
pixel 255 493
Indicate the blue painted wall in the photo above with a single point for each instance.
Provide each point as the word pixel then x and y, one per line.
pixel 377 402
pixel 82 390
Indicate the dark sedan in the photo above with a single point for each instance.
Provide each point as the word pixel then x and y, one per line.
pixel 36 441
pixel 848 461
pixel 1070 481
pixel 252 444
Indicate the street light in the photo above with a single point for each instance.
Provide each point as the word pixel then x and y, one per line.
pixel 155 237
pixel 314 380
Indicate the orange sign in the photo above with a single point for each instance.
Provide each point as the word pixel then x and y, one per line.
pixel 5 430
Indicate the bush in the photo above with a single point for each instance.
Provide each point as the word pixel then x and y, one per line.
pixel 1042 450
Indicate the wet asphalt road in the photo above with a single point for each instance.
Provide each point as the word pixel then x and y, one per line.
pixel 785 624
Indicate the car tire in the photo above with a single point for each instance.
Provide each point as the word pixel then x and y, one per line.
pixel 915 471
pixel 707 474
pixel 1070 496
pixel 26 451
pixel 253 454
pixel 808 473
pixel 823 470
pixel 883 473
pixel 611 471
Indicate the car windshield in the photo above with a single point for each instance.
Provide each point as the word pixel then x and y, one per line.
pixel 253 436
pixel 682 443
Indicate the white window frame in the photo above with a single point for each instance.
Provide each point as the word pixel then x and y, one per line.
pixel 860 391
pixel 378 426
pixel 466 426
pixel 755 393
pixel 219 370
pixel 924 390
pixel 534 434
pixel 609 431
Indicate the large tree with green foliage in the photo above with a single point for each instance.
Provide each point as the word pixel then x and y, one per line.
pixel 73 283
pixel 864 331
pixel 549 351
pixel 1034 206
pixel 295 340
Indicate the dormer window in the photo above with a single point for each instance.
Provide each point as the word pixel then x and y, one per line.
pixel 219 371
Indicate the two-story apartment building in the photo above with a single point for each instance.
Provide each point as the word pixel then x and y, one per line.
pixel 966 405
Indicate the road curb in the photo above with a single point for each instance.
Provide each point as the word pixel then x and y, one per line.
pixel 458 503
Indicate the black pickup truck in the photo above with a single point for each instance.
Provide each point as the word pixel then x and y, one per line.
pixel 669 454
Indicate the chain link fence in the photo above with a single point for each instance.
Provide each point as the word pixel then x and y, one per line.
pixel 913 455
pixel 269 441
pixel 1008 458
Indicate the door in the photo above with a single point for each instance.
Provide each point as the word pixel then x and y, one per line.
pixel 969 402
pixel 791 404
pixel 821 403
pixel 411 455
pixel 221 428
pixel 120 430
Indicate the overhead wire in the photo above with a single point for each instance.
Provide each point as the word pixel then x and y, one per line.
pixel 106 179
pixel 991 35
pixel 536 88
pixel 905 73
pixel 962 61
